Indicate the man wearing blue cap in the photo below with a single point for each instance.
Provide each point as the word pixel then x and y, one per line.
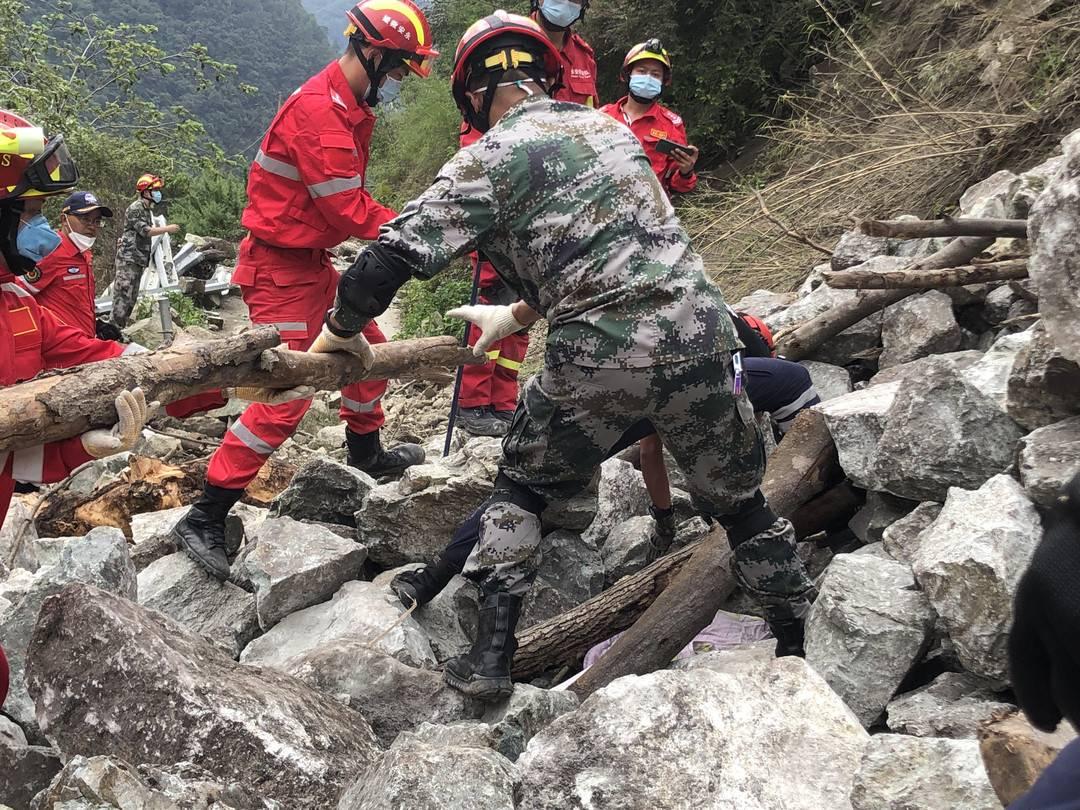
pixel 63 281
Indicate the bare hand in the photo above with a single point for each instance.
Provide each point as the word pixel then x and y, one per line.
pixel 172 228
pixel 685 158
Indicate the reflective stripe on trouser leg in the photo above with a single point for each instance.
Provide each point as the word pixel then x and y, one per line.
pixel 476 380
pixel 504 378
pixel 259 431
pixel 361 403
pixel 505 558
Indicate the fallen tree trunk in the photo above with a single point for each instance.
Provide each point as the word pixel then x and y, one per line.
pixel 806 338
pixel 933 279
pixel 918 228
pixel 70 402
pixel 803 465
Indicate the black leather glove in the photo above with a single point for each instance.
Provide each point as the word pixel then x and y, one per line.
pixel 107 331
pixel 1044 645
pixel 663 533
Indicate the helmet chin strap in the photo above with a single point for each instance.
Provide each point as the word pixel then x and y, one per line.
pixel 375 74
pixel 18 265
pixel 645 101
pixel 481 121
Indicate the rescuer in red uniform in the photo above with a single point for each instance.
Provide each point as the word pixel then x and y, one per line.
pixel 305 195
pixel 647 71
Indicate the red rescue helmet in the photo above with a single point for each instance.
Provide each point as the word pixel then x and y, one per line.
pixel 397 26
pixel 498 43
pixel 32 165
pixel 650 49
pixel 149 182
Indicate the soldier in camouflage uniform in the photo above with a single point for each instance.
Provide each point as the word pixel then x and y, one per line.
pixel 564 203
pixel 133 247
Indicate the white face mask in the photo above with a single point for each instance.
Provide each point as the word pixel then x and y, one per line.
pixel 80 241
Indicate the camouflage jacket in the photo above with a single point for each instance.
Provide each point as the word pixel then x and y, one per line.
pixel 563 202
pixel 133 246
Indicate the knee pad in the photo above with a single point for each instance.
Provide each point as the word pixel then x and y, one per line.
pixel 752 518
pixel 509 491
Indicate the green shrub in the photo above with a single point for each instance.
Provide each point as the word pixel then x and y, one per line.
pixel 211 204
pixel 184 311
pixel 422 304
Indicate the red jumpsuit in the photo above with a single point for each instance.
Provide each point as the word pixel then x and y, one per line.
pixel 579 72
pixel 32 339
pixel 305 194
pixel 63 282
pixel 659 122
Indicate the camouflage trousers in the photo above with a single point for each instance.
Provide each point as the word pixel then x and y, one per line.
pixel 568 419
pixel 125 291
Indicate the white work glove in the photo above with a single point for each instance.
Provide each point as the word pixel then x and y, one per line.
pixel 356 345
pixel 270 396
pixel 132 413
pixel 135 348
pixel 495 322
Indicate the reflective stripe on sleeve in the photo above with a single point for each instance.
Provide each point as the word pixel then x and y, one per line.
pixel 335 186
pixel 29 464
pixel 240 431
pixel 278 167
pixel 359 407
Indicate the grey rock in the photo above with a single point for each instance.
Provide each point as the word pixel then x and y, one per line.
pixel 10 733
pixel 855 248
pixel 181 589
pixel 419 776
pixel 526 713
pixel 990 374
pixel 24 769
pixel 1043 384
pixel 570 571
pixel 621 496
pixel 954 705
pixel 912 373
pixel 829 381
pixel 360 611
pixel 574 515
pixel 899 772
pixel 763 303
pixel 411 519
pixel 151 533
pixel 293 565
pixel 392 696
pixel 330 438
pixel 1055 254
pixel 752 661
pixel 182 699
pixel 99 473
pixel 918 326
pixel 470 734
pixel 873 550
pixel 808 306
pixel 901 539
pixel 969 562
pixel 627 547
pixel 991 197
pixel 867 628
pixel 859 342
pixel 1033 182
pixel 997 304
pixel 157 445
pixel 916 441
pixel 17 522
pixel 1049 457
pixel 49 550
pixel 670 738
pixel 880 512
pixel 323 490
pixel 449 620
pixel 100 558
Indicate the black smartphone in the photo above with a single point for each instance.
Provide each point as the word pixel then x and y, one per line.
pixel 666 147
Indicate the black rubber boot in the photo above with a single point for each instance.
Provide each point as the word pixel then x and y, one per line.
pixel 366 453
pixel 481 422
pixel 484 671
pixel 421 585
pixel 201 532
pixel 790 634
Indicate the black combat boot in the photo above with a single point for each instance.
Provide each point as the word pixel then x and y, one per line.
pixel 421 585
pixel 366 453
pixel 481 422
pixel 789 633
pixel 201 532
pixel 484 671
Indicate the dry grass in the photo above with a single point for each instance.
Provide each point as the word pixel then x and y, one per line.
pixel 937 96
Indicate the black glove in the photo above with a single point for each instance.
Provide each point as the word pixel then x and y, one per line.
pixel 663 533
pixel 107 331
pixel 1044 645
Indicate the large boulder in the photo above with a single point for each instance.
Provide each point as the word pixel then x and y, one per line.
pixel 416 775
pixel 293 565
pixel 855 248
pixel 361 611
pixel 1055 253
pixel 901 539
pixel 325 491
pixel 899 773
pixel 450 619
pixel 1033 182
pixel 880 511
pixel 570 571
pixel 866 630
pixel 955 704
pixel 627 547
pixel 621 495
pixel 103 783
pixel 1043 384
pixel 763 303
pixel 1049 458
pixel 990 197
pixel 182 589
pixel 969 562
pixel 688 738
pixel 101 559
pixel 152 534
pixel 990 373
pixel 917 440
pixel 524 714
pixel 918 326
pixel 829 381
pixel 24 769
pixel 392 696
pixel 110 677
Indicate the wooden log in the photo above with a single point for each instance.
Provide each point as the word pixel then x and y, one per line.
pixel 803 465
pixel 1015 753
pixel 829 508
pixel 926 279
pixel 806 338
pixel 66 403
pixel 919 228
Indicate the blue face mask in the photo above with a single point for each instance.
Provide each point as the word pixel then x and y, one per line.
pixel 389 90
pixel 36 239
pixel 645 86
pixel 155 196
pixel 561 13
